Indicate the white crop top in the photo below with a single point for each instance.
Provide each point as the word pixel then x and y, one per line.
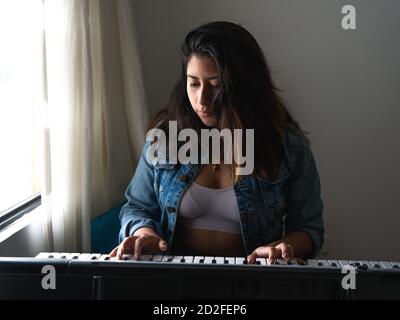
pixel 210 209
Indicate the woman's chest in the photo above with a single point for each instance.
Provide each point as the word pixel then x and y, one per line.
pixel 253 193
pixel 214 177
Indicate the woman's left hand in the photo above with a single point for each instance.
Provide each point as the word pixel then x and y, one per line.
pixel 272 252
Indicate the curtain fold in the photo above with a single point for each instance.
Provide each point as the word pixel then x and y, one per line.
pixel 96 115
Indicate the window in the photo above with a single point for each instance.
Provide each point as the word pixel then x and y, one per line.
pixel 20 23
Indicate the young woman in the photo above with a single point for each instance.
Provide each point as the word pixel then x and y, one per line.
pixel 200 209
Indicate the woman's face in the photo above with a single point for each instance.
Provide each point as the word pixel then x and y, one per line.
pixel 203 84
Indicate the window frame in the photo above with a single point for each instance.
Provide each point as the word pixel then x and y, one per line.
pixel 12 214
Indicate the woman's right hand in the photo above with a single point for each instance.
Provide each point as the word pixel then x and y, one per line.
pixel 138 243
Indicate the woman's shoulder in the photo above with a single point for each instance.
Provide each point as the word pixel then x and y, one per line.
pixel 295 143
pixel 295 137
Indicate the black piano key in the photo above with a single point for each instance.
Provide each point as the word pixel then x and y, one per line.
pixel 362 267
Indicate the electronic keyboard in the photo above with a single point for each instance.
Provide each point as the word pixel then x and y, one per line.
pixel 159 277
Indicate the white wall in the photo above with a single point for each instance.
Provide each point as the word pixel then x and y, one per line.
pixel 341 85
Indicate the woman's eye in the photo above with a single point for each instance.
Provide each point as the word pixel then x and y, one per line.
pixel 198 85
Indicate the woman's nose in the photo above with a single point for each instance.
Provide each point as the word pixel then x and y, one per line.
pixel 205 96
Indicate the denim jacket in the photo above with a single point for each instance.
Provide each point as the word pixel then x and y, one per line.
pixel 268 208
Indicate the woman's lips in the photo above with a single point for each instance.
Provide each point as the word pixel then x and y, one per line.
pixel 205 114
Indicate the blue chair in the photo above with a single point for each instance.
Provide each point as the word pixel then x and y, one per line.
pixel 104 231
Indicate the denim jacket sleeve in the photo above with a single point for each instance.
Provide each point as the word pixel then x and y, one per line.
pixel 305 207
pixel 142 208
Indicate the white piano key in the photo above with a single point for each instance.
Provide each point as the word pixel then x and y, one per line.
pixel 167 258
pixel 219 260
pixel 158 258
pixel 354 263
pixel 54 255
pixel 281 262
pixel 323 263
pixel 95 256
pixel 146 257
pixel 140 259
pixel 386 264
pixel 84 256
pixel 334 263
pixel 126 257
pixel 105 257
pixel 68 256
pixel 43 255
pixel 376 265
pixel 344 263
pixel 294 262
pixel 177 259
pixel 188 259
pixel 312 263
pixel 261 261
pixel 74 256
pixel 198 259
pixel 208 259
pixel 240 261
pixel 229 260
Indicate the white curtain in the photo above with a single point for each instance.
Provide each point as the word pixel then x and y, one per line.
pixel 94 115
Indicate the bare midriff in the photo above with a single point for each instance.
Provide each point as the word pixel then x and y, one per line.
pixel 214 243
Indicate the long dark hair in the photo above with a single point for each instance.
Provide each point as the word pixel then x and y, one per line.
pixel 248 98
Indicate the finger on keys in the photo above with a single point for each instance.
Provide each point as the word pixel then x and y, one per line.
pixel 113 253
pixel 251 258
pixel 287 251
pixel 258 252
pixel 274 253
pixel 139 246
pixel 123 247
